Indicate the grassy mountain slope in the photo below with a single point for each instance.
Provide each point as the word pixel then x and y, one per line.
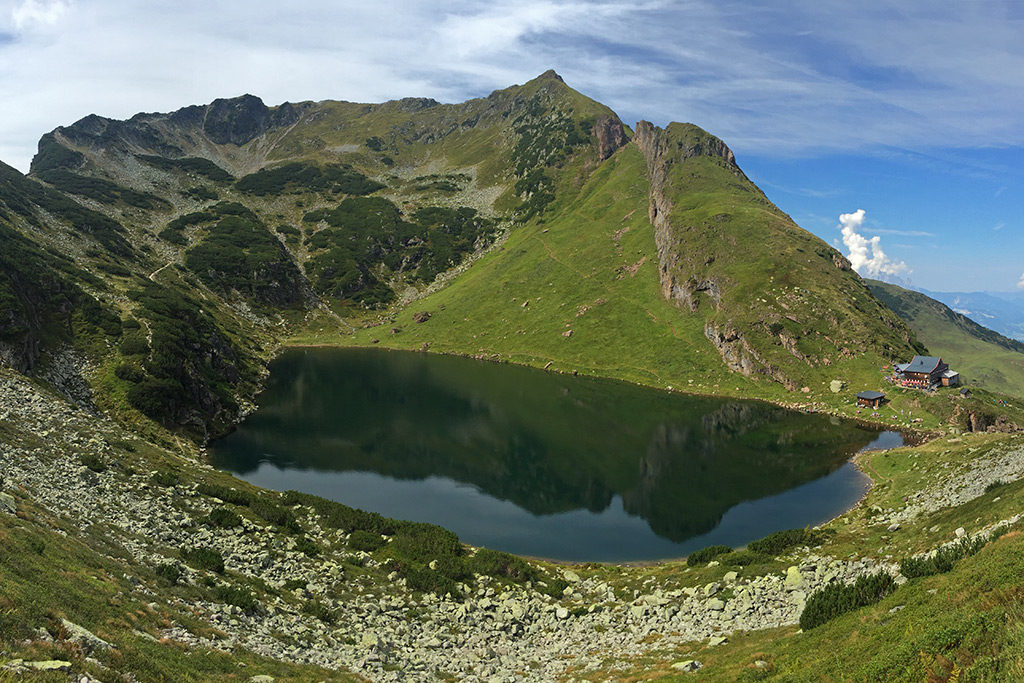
pixel 299 221
pixel 172 252
pixel 983 358
pixel 583 287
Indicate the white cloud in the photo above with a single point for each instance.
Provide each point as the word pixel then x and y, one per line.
pixel 866 255
pixel 1020 283
pixel 768 78
pixel 31 13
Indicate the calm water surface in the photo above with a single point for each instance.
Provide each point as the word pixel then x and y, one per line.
pixel 541 464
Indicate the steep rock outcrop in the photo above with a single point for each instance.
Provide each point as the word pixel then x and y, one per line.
pixel 611 135
pixel 773 300
pixel 661 151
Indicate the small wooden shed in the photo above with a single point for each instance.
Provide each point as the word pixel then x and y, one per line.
pixel 870 399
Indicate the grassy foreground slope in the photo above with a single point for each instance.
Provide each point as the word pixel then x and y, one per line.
pixel 983 358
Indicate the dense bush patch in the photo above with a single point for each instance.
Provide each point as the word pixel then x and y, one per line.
pixel 275 514
pixel 365 541
pixel 225 493
pixel 192 368
pixel 837 599
pixel 190 165
pixel 237 596
pixel 129 372
pixel 224 518
pixel 134 344
pixel 165 479
pixel 414 545
pixel 743 558
pixel 169 572
pixel 363 232
pixel 306 546
pixel 203 557
pixel 239 254
pixel 502 565
pixel 705 555
pixel 172 237
pixel 942 560
pixel 100 190
pixel 781 541
pixel 304 177
pixel 93 462
pixel 22 195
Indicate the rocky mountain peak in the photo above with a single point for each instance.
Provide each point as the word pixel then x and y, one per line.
pixel 550 74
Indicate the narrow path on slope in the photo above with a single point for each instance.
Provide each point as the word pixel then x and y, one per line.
pixel 152 276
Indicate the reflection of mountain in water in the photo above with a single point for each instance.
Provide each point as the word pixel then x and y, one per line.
pixel 547 443
pixel 688 478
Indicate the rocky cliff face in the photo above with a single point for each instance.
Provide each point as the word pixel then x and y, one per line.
pixel 662 151
pixel 774 300
pixel 683 281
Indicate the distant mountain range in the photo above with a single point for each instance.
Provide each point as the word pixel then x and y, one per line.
pixel 1000 311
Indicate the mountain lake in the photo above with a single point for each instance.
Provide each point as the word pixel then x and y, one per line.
pixel 543 464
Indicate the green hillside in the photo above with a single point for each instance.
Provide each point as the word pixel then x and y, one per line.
pixel 983 358
pixel 151 268
pixel 528 226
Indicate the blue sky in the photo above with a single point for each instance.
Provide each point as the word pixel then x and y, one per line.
pixel 909 111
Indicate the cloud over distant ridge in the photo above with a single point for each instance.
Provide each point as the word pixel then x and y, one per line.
pixel 866 255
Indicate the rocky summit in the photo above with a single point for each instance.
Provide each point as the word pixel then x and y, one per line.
pixel 150 269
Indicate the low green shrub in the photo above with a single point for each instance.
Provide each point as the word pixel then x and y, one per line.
pixel 306 546
pixel 426 580
pixel 319 610
pixel 704 555
pixel 555 588
pixel 421 542
pixel 165 479
pixel 201 193
pixel 129 372
pixel 93 462
pixel 781 541
pixel 836 599
pixel 224 518
pixel 225 493
pixel 365 541
pixel 172 236
pixel 456 568
pixel 502 565
pixel 743 558
pixel 203 557
pixel 237 596
pixel 275 514
pixel 169 572
pixel 134 344
pixel 942 560
pixel 997 484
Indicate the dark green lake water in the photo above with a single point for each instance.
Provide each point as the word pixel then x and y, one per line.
pixel 542 464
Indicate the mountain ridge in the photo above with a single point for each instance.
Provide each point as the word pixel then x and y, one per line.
pixel 281 221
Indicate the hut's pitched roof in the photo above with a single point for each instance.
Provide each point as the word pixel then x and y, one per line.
pixel 923 364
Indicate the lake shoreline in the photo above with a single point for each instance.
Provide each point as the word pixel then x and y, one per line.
pixel 617 401
pixel 920 436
